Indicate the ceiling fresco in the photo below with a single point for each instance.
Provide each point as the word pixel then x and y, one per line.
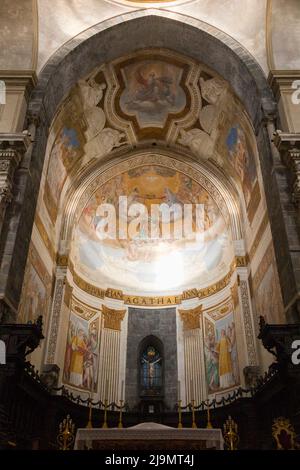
pixel 150 99
pixel 142 262
pixel 152 92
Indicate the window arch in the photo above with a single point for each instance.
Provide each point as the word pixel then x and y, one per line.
pixel 151 366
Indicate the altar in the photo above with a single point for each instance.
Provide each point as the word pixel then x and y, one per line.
pixel 149 437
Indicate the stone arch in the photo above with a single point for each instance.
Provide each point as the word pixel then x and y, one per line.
pixel 157 29
pixel 153 28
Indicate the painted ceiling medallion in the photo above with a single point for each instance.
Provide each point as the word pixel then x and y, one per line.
pixel 152 92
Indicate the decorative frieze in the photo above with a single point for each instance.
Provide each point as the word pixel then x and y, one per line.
pixel 55 315
pixel 248 326
pixel 154 301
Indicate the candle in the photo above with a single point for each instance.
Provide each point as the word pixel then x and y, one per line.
pixel 192 390
pixel 179 391
pixel 106 390
pixel 122 390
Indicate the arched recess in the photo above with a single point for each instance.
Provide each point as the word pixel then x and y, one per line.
pixel 86 182
pixel 90 50
pixel 151 341
pixel 102 43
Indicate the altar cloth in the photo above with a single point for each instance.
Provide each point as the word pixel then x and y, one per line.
pixel 149 436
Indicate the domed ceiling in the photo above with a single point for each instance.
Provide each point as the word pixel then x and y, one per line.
pixel 141 261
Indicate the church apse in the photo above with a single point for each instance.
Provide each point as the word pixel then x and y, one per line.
pixel 157 128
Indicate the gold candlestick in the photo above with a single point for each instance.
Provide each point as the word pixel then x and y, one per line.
pixel 104 425
pixel 209 425
pixel 231 437
pixel 120 424
pixel 179 415
pixel 194 425
pixel 66 435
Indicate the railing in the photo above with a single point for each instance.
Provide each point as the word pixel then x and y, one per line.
pixel 233 396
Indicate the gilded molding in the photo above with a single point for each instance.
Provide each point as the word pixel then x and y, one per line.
pixel 68 294
pixel 153 301
pixel 241 261
pixel 87 287
pixel 191 318
pixel 62 260
pixel 235 294
pixel 82 310
pixel 112 317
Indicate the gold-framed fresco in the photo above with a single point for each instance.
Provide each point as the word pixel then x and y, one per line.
pixel 152 92
pixel 81 361
pixel 220 348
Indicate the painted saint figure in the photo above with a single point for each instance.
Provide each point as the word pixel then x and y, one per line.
pixel 225 363
pixel 79 348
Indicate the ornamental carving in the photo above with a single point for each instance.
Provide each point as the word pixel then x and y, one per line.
pixel 112 317
pixel 56 309
pixel 191 318
pixel 249 333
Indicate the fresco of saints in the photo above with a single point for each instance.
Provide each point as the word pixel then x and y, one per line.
pixel 211 362
pixel 90 359
pixel 225 363
pixel 64 155
pixel 68 355
pixel 233 352
pixel 241 160
pixel 79 349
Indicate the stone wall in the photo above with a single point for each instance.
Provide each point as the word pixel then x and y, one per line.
pixel 162 324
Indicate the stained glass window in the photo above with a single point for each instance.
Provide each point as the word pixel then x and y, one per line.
pixel 151 369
